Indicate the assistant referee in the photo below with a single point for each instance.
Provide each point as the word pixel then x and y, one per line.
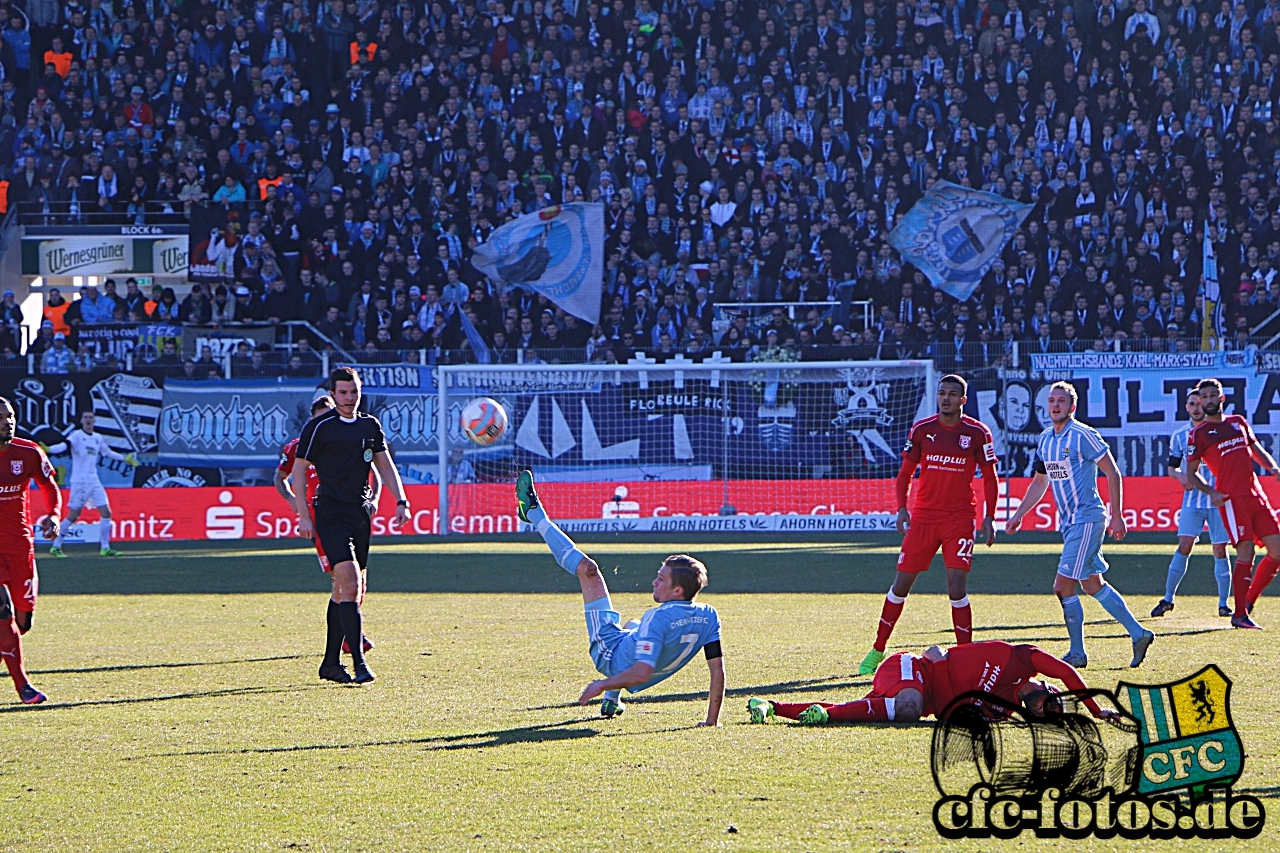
pixel 342 444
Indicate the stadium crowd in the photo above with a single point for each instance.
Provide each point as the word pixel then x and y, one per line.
pixel 746 152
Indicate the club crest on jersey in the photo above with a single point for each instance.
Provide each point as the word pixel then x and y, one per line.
pixel 16 467
pixel 965 441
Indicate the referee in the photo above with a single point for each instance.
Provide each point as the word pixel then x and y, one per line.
pixel 342 443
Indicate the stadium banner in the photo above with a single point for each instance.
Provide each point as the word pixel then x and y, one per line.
pixel 48 408
pixel 258 512
pixel 103 254
pixel 213 228
pixel 404 400
pixel 223 340
pixel 144 340
pixel 205 424
pixel 1135 399
pixel 771 422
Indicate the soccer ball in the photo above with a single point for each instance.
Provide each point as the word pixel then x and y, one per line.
pixel 484 420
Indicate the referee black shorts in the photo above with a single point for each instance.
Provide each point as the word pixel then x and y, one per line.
pixel 343 530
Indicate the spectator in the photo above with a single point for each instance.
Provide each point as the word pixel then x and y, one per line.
pixel 57 359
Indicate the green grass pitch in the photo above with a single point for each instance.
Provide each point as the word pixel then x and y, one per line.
pixel 185 712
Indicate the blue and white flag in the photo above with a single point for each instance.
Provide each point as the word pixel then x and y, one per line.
pixel 557 251
pixel 954 234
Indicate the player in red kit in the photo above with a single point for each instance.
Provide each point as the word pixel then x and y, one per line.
pixel 21 461
pixel 283 485
pixel 1226 444
pixel 946 448
pixel 907 687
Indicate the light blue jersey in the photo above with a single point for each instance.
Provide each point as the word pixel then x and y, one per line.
pixel 1070 459
pixel 667 637
pixel 1194 499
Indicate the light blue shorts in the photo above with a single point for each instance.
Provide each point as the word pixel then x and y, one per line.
pixel 604 631
pixel 1082 550
pixel 1192 521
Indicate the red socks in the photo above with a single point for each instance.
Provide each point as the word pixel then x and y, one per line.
pixel 11 651
pixel 1265 574
pixel 1240 586
pixel 888 618
pixel 962 620
pixel 870 710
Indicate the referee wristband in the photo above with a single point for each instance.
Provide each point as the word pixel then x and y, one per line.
pixel 404 504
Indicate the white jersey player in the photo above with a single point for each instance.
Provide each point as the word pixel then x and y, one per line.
pixel 86 447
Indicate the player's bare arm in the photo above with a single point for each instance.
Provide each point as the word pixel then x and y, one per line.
pixel 1039 484
pixel 903 485
pixel 636 674
pixel 715 695
pixel 1198 483
pixel 281 482
pixel 1056 668
pixel 1263 458
pixel 1115 485
pixel 1180 476
pixel 299 475
pixel 388 474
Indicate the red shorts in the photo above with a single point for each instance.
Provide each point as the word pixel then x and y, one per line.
pixel 1248 517
pixel 896 673
pixel 315 540
pixel 18 573
pixel 924 538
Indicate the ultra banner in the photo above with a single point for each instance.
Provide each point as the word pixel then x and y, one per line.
pixel 144 340
pixel 245 424
pixel 1134 399
pixel 845 506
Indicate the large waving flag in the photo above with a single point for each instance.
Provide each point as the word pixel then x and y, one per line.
pixel 557 251
pixel 954 234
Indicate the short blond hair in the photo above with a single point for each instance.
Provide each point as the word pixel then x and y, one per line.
pixel 1070 389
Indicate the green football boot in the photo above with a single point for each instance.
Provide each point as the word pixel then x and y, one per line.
pixel 870 662
pixel 108 552
pixel 814 715
pixel 761 710
pixel 55 551
pixel 526 497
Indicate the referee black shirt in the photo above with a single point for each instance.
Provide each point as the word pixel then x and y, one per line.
pixel 342 451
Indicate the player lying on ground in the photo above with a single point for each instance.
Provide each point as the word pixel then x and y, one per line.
pixel 1069 455
pixel 1227 445
pixel 1196 512
pixel 907 687
pixel 21 461
pixel 284 485
pixel 644 652
pixel 946 448
pixel 86 447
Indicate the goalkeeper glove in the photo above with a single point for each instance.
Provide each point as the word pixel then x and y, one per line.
pixel 132 459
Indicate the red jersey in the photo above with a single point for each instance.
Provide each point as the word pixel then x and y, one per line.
pixel 1226 447
pixel 20 463
pixel 287 457
pixel 947 457
pixel 990 666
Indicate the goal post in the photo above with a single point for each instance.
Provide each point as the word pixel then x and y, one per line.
pixel 683 446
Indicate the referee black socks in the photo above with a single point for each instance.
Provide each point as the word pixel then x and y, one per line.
pixel 349 614
pixel 333 642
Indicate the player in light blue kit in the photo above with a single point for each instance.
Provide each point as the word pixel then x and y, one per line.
pixel 1195 513
pixel 1069 455
pixel 647 651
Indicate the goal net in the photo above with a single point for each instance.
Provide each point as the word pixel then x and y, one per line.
pixel 684 446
